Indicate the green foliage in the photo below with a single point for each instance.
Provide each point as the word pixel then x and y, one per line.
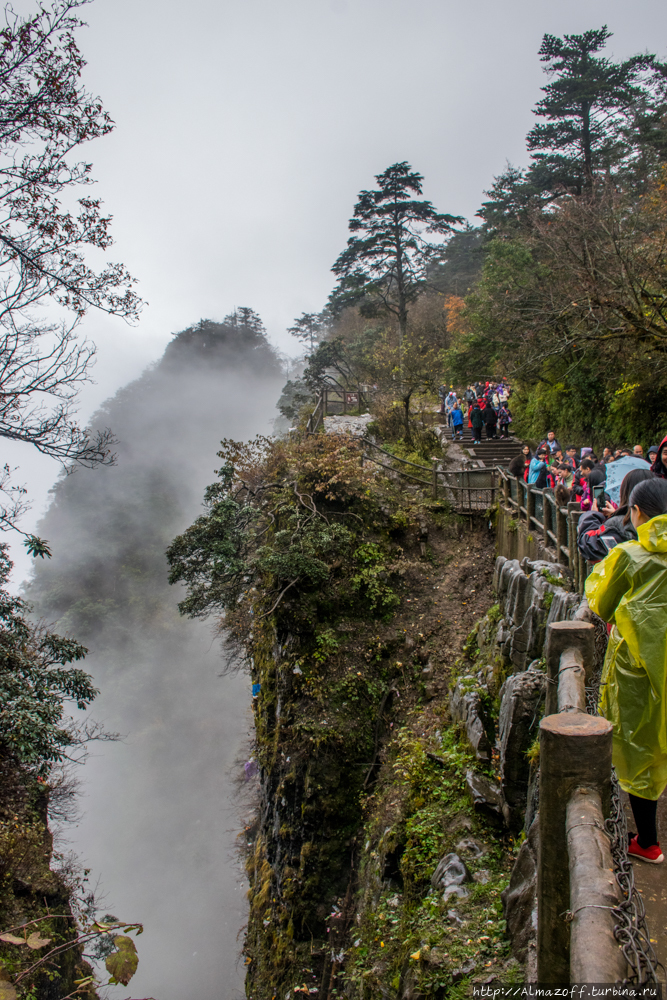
pixel 294 397
pixel 533 751
pixel 326 645
pixel 37 547
pixel 581 334
pixel 122 963
pixel 36 681
pixel 369 580
pixel 290 540
pixel 403 934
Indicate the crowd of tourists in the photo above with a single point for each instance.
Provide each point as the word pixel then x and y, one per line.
pixel 621 496
pixel 485 406
pixel 622 532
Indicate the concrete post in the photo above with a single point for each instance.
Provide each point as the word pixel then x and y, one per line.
pixel 575 752
pixel 561 636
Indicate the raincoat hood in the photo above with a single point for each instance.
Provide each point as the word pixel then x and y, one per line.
pixel 653 535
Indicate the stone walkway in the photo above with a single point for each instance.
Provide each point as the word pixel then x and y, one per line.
pixel 356 426
pixel 651 880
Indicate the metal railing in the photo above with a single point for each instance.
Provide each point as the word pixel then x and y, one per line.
pixel 555 526
pixel 577 894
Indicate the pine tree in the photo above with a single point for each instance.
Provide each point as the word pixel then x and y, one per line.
pixel 392 245
pixel 308 329
pixel 588 108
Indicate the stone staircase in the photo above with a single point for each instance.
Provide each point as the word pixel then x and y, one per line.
pixel 488 453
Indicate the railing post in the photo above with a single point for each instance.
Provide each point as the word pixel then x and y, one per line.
pixel 572 539
pixel 562 636
pixel 546 518
pixel 435 478
pixel 561 532
pixel 575 752
pixel 530 508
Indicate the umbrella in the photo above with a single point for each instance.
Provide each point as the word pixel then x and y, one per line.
pixel 618 470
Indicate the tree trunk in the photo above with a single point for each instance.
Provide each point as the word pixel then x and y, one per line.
pixel 406 408
pixel 586 144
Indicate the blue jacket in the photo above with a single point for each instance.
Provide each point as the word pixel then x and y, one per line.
pixel 534 469
pixel 457 417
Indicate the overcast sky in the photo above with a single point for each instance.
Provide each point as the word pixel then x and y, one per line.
pixel 246 128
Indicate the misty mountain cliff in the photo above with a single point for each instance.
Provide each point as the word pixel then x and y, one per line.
pixel 108 528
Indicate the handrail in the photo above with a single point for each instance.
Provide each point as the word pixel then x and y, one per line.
pixel 396 458
pixel 558 526
pixel 576 893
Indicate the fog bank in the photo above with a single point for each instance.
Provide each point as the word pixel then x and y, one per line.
pixel 160 813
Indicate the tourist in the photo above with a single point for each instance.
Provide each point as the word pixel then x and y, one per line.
pixel 504 421
pixel 537 471
pixel 519 465
pixel 629 588
pixel 659 466
pixel 457 422
pixel 476 421
pixel 550 442
pixel 571 457
pixel 638 451
pixel 607 456
pixel 490 418
pixel 564 475
pixel 605 526
pixel 652 454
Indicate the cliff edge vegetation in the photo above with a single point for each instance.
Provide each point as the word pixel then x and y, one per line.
pixel 352 597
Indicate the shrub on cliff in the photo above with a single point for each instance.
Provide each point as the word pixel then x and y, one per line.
pixel 37 679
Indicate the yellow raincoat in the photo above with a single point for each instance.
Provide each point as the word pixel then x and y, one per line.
pixel 629 587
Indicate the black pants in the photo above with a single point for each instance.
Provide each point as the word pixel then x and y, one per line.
pixel 645 812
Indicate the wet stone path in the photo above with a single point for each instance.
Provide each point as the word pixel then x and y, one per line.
pixel 651 881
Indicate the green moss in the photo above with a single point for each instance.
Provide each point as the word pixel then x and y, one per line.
pixel 556 581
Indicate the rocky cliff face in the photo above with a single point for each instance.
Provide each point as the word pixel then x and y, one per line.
pixel 30 891
pixel 381 849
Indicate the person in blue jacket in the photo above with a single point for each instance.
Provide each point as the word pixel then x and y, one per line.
pixel 537 470
pixel 457 422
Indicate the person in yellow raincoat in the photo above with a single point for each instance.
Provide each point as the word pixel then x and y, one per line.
pixel 629 588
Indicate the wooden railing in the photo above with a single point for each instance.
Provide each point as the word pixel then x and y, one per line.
pixel 576 888
pixel 336 401
pixel 556 526
pixel 472 491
